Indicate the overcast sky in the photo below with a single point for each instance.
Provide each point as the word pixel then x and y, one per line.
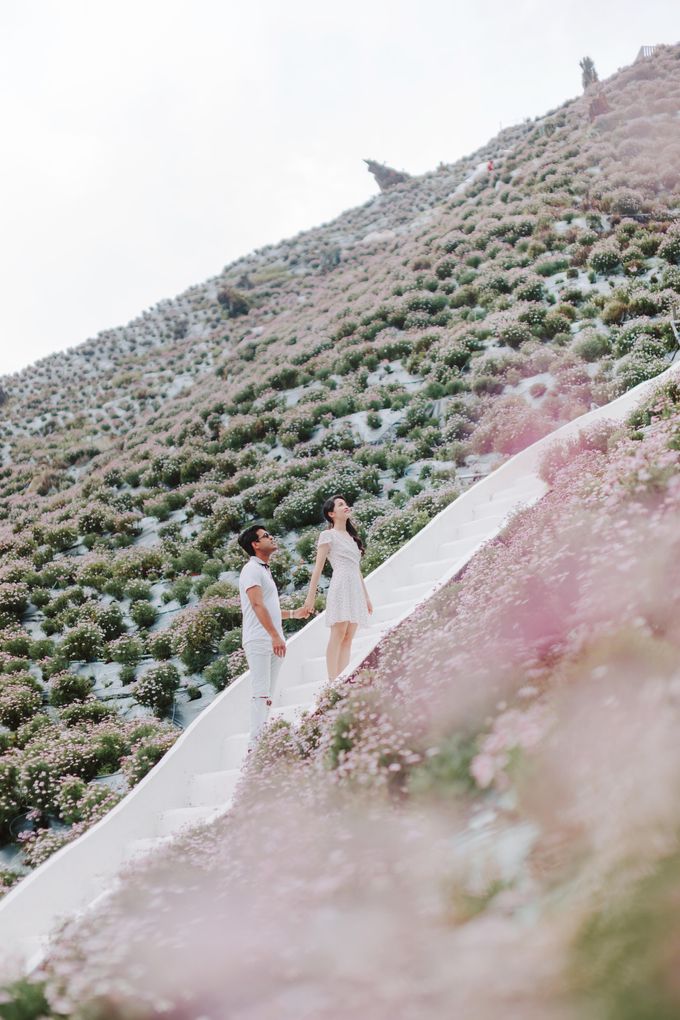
pixel 147 143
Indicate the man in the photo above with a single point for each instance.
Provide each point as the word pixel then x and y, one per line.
pixel 262 639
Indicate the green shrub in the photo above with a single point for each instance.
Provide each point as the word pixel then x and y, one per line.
pixel 464 297
pixel 226 668
pixel 620 958
pixel 514 334
pixel 614 312
pixel 197 633
pixel 447 772
pixel 66 688
pixel 487 384
pixel 180 591
pixel 16 642
pixel 91 711
pixel 10 794
pixel 605 257
pixel 418 414
pixel 445 269
pixel 143 614
pixel 637 368
pixel 190 560
pixel 398 463
pixel 60 537
pixel 84 642
pixel 127 650
pixel 43 648
pixel 530 290
pixel 138 591
pixel 431 304
pixel 643 302
pixel 127 674
pixel 456 355
pixel 12 665
pixel 146 753
pixel 625 201
pixel 670 249
pixel 551 267
pixel 157 688
pixel 24 999
pixel 234 302
pixel 230 641
pixel 555 323
pixel 13 600
pixel 593 348
pixel 20 698
pixel 109 619
pixel 303 505
pixel 160 645
pixel 671 279
pixel 71 790
pixel 46 761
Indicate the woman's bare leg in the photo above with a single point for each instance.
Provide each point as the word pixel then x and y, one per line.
pixel 346 646
pixel 333 651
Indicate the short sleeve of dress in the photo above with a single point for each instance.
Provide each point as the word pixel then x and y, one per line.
pixel 324 538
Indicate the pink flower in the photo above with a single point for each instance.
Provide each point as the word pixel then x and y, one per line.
pixel 483 769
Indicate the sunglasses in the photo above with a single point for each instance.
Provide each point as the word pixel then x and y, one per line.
pixel 265 534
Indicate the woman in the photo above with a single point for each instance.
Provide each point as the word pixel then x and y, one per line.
pixel 347 603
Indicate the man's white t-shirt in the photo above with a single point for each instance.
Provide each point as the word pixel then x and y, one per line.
pixel 257 573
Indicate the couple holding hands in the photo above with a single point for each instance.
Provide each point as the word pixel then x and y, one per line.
pixel 347 603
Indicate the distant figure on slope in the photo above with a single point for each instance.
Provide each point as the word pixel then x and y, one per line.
pixel 347 604
pixel 262 638
pixel 598 105
pixel 489 166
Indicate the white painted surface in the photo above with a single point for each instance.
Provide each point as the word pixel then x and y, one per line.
pixel 196 778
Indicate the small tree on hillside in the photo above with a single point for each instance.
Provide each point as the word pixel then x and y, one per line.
pixel 588 72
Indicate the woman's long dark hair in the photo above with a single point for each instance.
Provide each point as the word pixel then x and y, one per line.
pixel 351 530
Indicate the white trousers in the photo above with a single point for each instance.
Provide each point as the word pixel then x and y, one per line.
pixel 264 669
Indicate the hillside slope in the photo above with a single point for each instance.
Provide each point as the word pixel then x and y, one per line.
pixel 481 820
pixel 393 355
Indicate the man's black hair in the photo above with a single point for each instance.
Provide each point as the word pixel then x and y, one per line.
pixel 247 537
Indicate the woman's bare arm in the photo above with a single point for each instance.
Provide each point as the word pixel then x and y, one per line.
pixel 321 556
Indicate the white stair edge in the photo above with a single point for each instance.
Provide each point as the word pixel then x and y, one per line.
pixel 83 871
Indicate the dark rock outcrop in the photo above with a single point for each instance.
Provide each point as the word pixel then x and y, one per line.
pixel 385 175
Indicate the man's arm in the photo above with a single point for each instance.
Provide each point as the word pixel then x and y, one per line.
pixel 254 594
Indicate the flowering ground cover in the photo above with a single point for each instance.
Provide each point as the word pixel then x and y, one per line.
pixel 393 355
pixel 483 818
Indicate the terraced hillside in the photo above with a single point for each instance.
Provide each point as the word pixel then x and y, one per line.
pixel 482 821
pixel 394 355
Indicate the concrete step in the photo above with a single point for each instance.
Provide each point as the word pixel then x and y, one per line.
pixel 233 750
pixel 31 951
pixel 212 789
pixel 368 638
pixel 414 592
pixel 301 694
pixel 314 670
pixel 432 570
pixel 475 527
pixel 289 713
pixel 175 819
pixel 137 848
pixel 500 505
pixel 459 548
pixel 390 611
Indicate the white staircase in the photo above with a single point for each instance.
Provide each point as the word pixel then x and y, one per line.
pixel 195 781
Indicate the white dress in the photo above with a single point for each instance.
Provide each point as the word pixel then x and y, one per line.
pixel 345 601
